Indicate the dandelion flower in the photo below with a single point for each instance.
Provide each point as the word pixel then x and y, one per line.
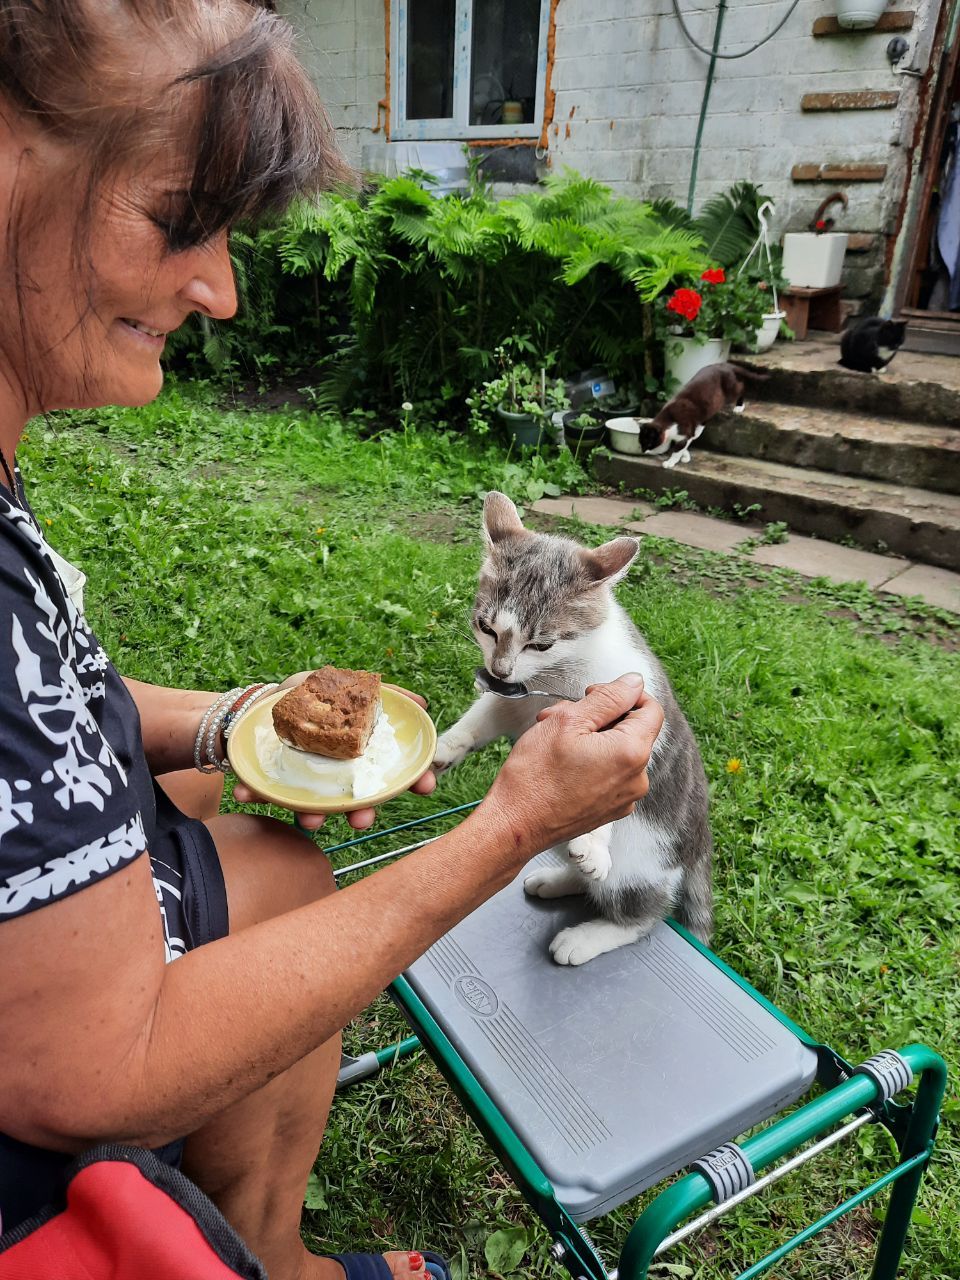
pixel 734 765
pixel 48 522
pixel 406 406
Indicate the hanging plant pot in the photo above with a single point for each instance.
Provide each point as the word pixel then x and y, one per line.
pixel 814 261
pixel 522 428
pixel 694 356
pixel 858 15
pixel 768 331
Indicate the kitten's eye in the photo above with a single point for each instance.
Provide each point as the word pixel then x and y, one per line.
pixel 487 631
pixel 542 647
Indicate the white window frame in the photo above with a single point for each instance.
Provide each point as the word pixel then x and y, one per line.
pixel 458 126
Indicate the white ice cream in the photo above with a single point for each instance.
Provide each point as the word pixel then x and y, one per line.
pixel 358 778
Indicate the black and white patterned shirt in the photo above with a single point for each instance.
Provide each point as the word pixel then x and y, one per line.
pixel 76 796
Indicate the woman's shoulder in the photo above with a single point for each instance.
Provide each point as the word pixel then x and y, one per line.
pixel 71 803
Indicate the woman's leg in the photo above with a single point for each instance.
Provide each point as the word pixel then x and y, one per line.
pixel 196 794
pixel 253 1160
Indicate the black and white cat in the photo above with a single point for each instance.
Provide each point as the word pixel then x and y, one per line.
pixel 545 614
pixel 871 343
pixel 683 418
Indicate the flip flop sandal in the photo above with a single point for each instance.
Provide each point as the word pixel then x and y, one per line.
pixel 373 1266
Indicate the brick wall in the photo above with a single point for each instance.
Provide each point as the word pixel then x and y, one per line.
pixel 628 93
pixel 342 42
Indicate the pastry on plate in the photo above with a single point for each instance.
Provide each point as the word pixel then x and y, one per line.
pixel 332 713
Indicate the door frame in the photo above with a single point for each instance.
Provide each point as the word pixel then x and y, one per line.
pixel 928 140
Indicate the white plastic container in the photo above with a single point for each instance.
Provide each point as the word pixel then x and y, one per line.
pixel 625 433
pixel 694 356
pixel 812 261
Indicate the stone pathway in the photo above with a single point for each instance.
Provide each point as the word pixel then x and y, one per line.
pixel 808 556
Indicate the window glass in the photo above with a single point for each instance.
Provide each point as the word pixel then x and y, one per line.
pixel 503 68
pixel 430 29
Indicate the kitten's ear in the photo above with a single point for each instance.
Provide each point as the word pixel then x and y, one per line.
pixel 500 518
pixel 610 562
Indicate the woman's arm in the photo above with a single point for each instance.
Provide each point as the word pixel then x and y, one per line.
pixel 100 1040
pixel 169 720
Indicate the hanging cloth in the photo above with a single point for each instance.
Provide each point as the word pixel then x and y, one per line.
pixel 948 223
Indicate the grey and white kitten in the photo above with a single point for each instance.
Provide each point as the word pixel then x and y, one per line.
pixel 545 615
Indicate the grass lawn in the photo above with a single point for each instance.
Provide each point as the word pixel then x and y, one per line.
pixel 225 546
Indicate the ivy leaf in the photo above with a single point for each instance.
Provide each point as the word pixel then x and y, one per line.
pixel 316 1196
pixel 393 609
pixel 504 1249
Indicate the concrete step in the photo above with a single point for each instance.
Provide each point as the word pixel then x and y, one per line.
pixel 879 448
pixel 916 523
pixel 919 388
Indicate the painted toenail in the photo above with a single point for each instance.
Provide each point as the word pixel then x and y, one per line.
pixel 416 1261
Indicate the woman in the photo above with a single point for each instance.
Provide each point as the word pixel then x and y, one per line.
pixel 132 136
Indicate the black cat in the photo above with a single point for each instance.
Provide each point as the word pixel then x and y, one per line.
pixel 870 344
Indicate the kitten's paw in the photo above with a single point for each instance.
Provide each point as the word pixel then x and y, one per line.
pixel 583 942
pixel 452 747
pixel 672 460
pixel 553 882
pixel 739 408
pixel 591 855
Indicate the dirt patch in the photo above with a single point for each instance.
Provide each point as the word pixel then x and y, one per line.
pixel 282 396
pixel 433 526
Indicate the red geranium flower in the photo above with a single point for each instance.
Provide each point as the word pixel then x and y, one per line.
pixel 715 275
pixel 686 303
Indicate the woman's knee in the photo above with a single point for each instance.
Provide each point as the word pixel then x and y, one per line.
pixel 269 867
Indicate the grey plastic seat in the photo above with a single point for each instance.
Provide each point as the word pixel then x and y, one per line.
pixel 616 1073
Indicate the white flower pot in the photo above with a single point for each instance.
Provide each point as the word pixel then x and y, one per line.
pixel 768 331
pixel 694 356
pixel 812 261
pixel 859 14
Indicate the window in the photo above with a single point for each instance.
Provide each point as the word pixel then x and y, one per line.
pixel 468 68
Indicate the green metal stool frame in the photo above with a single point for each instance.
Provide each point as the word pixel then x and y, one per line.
pixel 851 1099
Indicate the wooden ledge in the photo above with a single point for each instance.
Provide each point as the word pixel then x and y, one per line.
pixel 894 20
pixel 863 100
pixel 838 172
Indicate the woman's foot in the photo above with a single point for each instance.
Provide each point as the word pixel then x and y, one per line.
pixel 403 1266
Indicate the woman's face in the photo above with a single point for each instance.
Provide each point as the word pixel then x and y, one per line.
pixel 97 322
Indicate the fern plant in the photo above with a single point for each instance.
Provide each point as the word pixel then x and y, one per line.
pixel 395 294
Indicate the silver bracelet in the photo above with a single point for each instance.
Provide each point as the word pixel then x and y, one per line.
pixel 224 699
pixel 216 723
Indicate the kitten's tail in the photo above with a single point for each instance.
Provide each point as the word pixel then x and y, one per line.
pixel 695 907
pixel 752 375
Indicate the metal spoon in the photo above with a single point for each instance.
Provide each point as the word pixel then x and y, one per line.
pixel 514 689
pixel 508 689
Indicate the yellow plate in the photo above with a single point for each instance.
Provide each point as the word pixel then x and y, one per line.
pixel 415 734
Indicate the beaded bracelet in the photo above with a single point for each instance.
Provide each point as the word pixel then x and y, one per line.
pixel 224 701
pixel 253 693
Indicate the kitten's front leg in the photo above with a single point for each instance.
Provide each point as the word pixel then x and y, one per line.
pixel 490 717
pixel 590 853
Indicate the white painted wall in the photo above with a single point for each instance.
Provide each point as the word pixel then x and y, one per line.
pixel 628 93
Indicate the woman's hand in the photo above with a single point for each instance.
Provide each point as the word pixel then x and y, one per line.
pixel 581 765
pixel 359 819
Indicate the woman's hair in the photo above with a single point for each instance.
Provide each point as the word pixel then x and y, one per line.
pixel 211 86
